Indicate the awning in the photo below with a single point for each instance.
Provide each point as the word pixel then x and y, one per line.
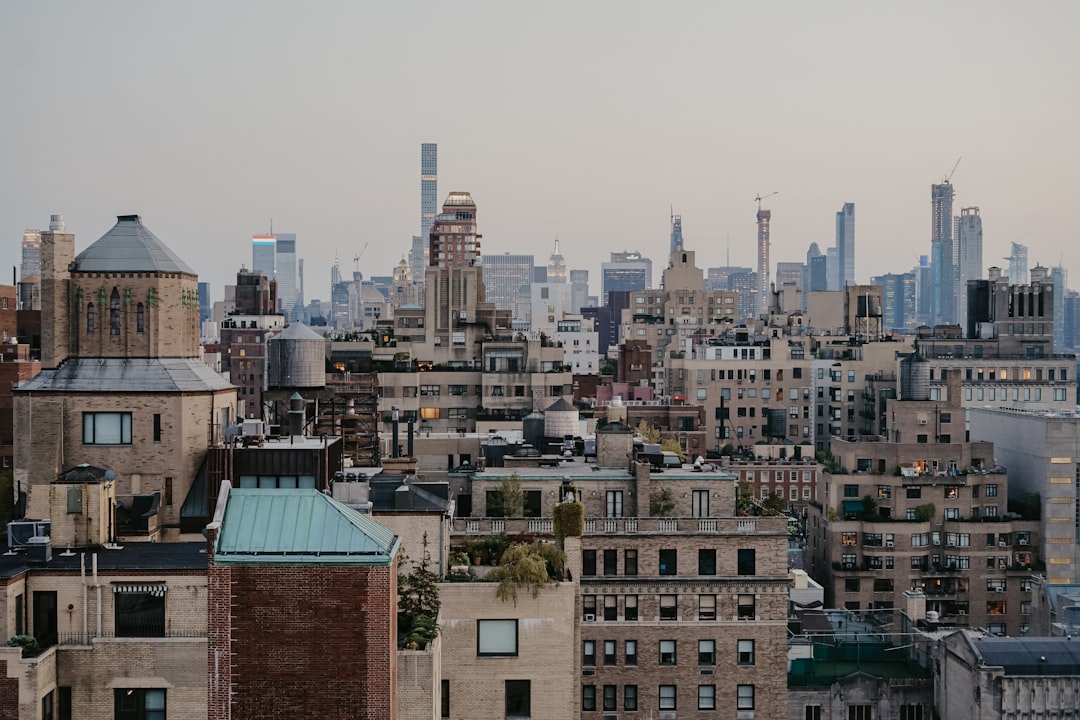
pixel 155 590
pixel 854 506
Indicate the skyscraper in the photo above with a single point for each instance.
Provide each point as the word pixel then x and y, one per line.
pixel 31 255
pixel 898 297
pixel 764 217
pixel 942 259
pixel 969 261
pixel 627 271
pixel 262 255
pixel 1058 276
pixel 676 233
pixel 1018 264
pixel 504 276
pixel 556 267
pixel 429 187
pixel 285 271
pixel 845 245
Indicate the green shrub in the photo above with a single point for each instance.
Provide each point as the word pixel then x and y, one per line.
pixel 568 519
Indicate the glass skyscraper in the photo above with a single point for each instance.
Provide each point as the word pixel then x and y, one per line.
pixel 285 271
pixel 845 246
pixel 942 268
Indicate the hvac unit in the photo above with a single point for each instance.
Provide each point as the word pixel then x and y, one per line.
pixel 889 543
pixel 590 617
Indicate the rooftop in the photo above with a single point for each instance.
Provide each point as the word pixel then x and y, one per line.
pixel 133 556
pixel 104 375
pixel 130 247
pixel 1029 656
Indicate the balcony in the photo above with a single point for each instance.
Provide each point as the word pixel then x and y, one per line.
pixel 628 525
pixel 150 633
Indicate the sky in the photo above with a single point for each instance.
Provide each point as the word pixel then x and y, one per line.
pixel 589 122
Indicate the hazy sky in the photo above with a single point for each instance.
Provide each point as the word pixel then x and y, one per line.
pixel 585 119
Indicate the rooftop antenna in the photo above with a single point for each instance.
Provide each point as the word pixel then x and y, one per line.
pixel 271 226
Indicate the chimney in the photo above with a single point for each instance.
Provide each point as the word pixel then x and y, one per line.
pixel 296 415
pixel 58 315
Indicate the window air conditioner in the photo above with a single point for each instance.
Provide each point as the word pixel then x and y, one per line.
pixel 590 617
pixel 922 421
pixel 1002 543
pixel 888 543
pixel 961 612
pixel 1023 541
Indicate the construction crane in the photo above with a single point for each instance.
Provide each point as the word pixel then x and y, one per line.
pixel 760 197
pixel 356 257
pixel 948 178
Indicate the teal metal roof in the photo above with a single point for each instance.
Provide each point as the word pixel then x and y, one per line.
pixel 299 527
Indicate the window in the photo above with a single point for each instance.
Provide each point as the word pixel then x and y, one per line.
pixel 744 697
pixel 588 652
pixel 667 697
pixel 609 653
pixel 630 562
pixel 588 562
pixel 667 652
pixel 106 428
pixel 614 503
pixel 588 697
pixel 706 652
pixel 706 561
pixel 47 701
pixel 611 562
pixel 747 561
pixel 630 609
pixel 631 652
pixel 611 607
pixel 860 712
pixel 91 319
pixel 746 652
pixel 114 313
pixel 706 607
pixel 812 712
pixel 911 712
pixel 139 704
pixel 851 491
pixel 64 702
pixel 444 699
pixel 668 562
pixel 588 607
pixel 518 698
pixel 700 503
pixel 495 638
pixel 706 697
pixel 747 607
pixel 139 610
pixel 629 697
pixel 157 427
pixel 610 696
pixel 669 607
pixel 991 490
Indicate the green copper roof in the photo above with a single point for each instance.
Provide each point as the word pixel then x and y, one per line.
pixel 299 527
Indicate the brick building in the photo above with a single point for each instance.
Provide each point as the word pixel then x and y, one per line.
pixel 303 608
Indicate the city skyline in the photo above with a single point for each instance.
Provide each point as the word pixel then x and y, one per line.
pixel 539 133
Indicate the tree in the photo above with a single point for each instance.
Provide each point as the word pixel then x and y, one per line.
pixel 647 432
pixel 418 599
pixel 672 445
pixel 531 567
pixel 511 498
pixel 772 505
pixel 661 502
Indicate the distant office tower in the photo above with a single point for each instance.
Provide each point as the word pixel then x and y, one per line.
pixel 845 246
pixel 1018 265
pixel 719 278
pixel 262 255
pixel 924 280
pixel 579 290
pixel 204 302
pixel 817 276
pixel 504 277
pixel 676 233
pixel 418 256
pixel 898 298
pixel 832 268
pixel 790 272
pixel 1072 322
pixel 942 254
pixel 746 285
pixel 299 310
pixel 31 255
pixel 627 271
pixel 429 187
pixel 556 267
pixel 1058 276
pixel 764 218
pixel 969 260
pixel 285 271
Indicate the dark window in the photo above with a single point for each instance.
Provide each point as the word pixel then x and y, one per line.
pixel 611 607
pixel 851 584
pixel 667 652
pixel 157 427
pixel 911 712
pixel 706 652
pixel 669 607
pixel 588 697
pixel 706 561
pixel 747 561
pixel 609 652
pixel 746 652
pixel 851 491
pixel 114 313
pixel 532 506
pixel 611 562
pixel 631 652
pixel 139 704
pixel 444 699
pixel 630 562
pixel 47 706
pixel 913 492
pixel 45 621
pixel 588 562
pixel 91 319
pixel 812 712
pixel 629 697
pixel 747 607
pixel 610 697
pixel 140 611
pixel 64 704
pixel 630 607
pixel 669 562
pixel 20 613
pixel 140 318
pixel 588 607
pixel 860 712
pixel 588 652
pixel 518 698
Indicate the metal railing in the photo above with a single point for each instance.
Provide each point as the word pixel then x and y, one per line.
pixel 147 634
pixel 626 525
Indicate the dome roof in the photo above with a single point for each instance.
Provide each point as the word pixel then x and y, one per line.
pixel 459 198
pixel 130 247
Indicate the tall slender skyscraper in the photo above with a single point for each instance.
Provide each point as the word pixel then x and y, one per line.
pixel 764 217
pixel 845 245
pixel 262 255
pixel 676 233
pixel 942 259
pixel 969 242
pixel 1018 264
pixel 429 187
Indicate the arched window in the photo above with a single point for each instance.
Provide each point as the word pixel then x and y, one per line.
pixel 90 318
pixel 114 313
pixel 140 319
